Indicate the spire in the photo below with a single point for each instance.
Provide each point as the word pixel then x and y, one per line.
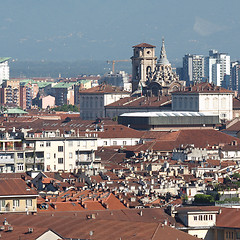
pixel 163 56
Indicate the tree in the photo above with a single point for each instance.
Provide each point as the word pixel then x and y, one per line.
pixel 236 175
pixel 67 108
pixel 202 198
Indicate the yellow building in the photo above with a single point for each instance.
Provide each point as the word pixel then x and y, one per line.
pixel 17 196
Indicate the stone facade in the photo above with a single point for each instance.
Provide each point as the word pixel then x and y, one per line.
pixel 149 76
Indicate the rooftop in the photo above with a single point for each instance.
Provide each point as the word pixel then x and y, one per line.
pixel 63 85
pixel 204 87
pixel 4 59
pixel 144 45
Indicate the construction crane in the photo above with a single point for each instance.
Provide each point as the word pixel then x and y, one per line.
pixel 115 61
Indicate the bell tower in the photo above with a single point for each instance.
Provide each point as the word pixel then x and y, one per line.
pixel 143 64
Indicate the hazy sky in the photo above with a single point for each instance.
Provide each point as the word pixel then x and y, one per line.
pixel 107 29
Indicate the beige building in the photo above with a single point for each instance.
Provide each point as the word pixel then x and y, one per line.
pixel 198 221
pixel 16 196
pixel 11 92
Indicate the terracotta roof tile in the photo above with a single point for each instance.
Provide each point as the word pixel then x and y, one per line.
pixel 144 45
pixel 103 88
pixel 203 88
pixel 15 186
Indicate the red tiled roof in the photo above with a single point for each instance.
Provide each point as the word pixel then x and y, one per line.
pixel 74 227
pixel 229 217
pixel 203 88
pixel 236 103
pixel 142 102
pixel 103 88
pixel 144 45
pixel 15 186
pixel 201 138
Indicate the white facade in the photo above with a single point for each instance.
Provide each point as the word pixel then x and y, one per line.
pixel 199 223
pixel 209 103
pixel 217 66
pixel 64 153
pixel 4 70
pixel 92 104
pixel 120 79
pixel 104 142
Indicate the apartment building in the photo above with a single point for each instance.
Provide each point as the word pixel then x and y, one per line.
pixel 63 93
pixel 193 68
pixel 17 196
pixel 4 69
pixel 217 67
pixel 54 153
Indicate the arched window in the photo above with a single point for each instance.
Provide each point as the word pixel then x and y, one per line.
pixel 223 103
pixel 207 103
pixel 185 103
pixel 215 103
pixel 180 103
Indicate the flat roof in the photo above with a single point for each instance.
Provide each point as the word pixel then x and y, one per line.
pixel 168 118
pixel 166 114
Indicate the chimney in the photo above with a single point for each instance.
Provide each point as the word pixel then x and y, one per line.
pixel 5 222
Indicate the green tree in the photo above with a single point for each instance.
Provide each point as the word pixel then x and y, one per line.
pixel 202 198
pixel 66 108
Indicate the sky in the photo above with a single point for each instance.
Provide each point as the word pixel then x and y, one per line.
pixel 71 30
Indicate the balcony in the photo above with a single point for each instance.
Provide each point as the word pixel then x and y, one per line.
pixel 31 160
pixel 7 161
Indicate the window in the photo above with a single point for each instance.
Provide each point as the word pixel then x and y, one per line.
pixel 20 166
pixel 105 143
pixel 42 144
pixel 210 217
pixel 60 148
pixel 205 217
pixel 28 202
pixel 195 218
pixel 114 142
pixel 124 143
pixel 70 155
pixel 15 203
pixel 2 203
pixel 48 144
pixel 200 217
pixel 60 160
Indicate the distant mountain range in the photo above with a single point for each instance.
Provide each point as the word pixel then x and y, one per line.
pixel 30 69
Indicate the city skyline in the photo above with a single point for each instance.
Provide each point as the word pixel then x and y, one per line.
pixel 106 30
